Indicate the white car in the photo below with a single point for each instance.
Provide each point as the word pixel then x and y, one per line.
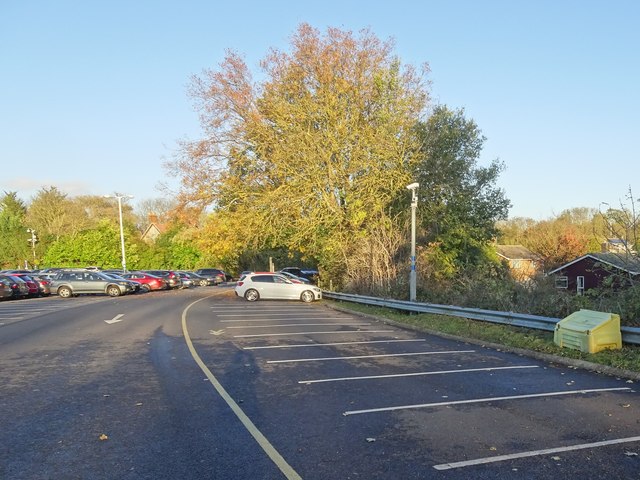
pixel 255 286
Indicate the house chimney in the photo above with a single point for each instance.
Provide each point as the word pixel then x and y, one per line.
pixel 153 218
pixel 604 247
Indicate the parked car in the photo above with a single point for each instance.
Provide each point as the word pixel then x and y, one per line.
pixel 255 286
pixel 187 281
pixel 295 278
pixel 169 276
pixel 135 286
pixel 44 284
pixel 69 283
pixel 34 288
pixel 147 281
pixel 218 275
pixel 311 275
pixel 6 291
pixel 19 288
pixel 203 280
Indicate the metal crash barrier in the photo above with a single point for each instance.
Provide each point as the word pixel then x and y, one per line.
pixel 630 335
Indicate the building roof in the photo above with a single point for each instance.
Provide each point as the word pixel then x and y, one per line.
pixel 515 252
pixel 153 231
pixel 627 263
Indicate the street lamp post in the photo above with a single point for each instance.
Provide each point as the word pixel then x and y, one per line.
pixel 119 198
pixel 412 275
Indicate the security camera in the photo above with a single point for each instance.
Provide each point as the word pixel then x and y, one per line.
pixel 413 186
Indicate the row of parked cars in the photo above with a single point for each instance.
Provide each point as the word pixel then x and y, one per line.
pixel 75 281
pixel 288 283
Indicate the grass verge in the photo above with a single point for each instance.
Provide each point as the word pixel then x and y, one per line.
pixel 625 359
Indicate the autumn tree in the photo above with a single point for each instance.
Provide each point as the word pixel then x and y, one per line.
pixel 560 239
pixel 314 157
pixel 100 207
pixel 52 214
pixel 623 222
pixel 157 209
pixel 512 231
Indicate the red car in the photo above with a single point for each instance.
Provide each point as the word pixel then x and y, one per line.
pixel 34 288
pixel 148 282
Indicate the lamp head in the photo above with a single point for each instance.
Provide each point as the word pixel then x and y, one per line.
pixel 413 186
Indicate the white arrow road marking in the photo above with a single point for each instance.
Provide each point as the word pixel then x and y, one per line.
pixel 216 332
pixel 116 319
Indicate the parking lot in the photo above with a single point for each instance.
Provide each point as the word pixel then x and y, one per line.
pixel 397 404
pixel 204 384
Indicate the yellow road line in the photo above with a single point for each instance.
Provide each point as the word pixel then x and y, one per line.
pixel 271 452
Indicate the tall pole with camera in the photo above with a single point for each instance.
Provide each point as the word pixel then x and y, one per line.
pixel 412 275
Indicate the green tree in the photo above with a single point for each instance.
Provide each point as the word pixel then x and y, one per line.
pixel 175 249
pixel 459 200
pixel 52 214
pixel 99 246
pixel 315 157
pixel 14 248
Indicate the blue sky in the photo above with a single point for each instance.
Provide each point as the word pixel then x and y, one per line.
pixel 93 93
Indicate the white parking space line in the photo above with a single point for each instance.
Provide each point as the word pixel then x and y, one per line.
pixel 272 319
pixel 30 310
pixel 332 344
pixel 533 453
pixel 321 359
pixel 279 315
pixel 332 332
pixel 416 374
pixel 485 400
pixel 304 325
pixel 250 309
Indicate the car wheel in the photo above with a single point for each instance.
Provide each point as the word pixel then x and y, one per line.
pixel 203 283
pixel 307 296
pixel 251 295
pixel 113 291
pixel 144 288
pixel 65 292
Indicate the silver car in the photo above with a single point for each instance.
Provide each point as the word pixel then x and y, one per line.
pixel 70 283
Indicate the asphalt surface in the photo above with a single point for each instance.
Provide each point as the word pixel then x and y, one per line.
pixel 200 384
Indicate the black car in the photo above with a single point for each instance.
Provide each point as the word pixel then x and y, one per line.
pixel 219 276
pixel 311 275
pixel 18 287
pixel 201 280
